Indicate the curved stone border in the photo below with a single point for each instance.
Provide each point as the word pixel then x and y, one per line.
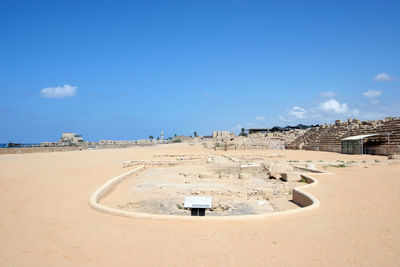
pixel 304 199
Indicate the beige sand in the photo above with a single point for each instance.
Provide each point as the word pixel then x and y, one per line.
pixel 45 218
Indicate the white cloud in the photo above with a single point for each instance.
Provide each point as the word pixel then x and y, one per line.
pixel 328 94
pixel 283 118
pixel 298 112
pixel 260 118
pixel 383 77
pixel 333 106
pixel 372 93
pixel 237 127
pixel 59 92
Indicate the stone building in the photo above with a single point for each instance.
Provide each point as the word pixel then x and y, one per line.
pixel 70 138
pixel 217 134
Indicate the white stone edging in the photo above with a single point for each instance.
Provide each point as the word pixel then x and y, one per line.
pixel 300 197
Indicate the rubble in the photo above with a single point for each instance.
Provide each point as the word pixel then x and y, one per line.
pixel 291 176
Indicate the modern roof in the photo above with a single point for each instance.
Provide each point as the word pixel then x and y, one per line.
pixel 359 137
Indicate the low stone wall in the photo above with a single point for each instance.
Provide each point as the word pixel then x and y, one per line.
pixel 328 148
pixel 385 150
pixel 23 150
pixel 303 199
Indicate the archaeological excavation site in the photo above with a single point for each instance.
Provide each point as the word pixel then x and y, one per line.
pixel 234 186
pixel 242 183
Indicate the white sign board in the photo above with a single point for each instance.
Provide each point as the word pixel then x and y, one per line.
pixel 198 202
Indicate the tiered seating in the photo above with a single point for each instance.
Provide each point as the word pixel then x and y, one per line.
pixel 328 137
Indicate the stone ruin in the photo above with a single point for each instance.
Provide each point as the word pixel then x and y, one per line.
pixel 246 184
pixel 273 140
pixel 327 137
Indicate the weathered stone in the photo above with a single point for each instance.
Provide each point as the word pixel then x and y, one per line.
pixel 310 166
pixel 394 156
pixel 127 164
pixel 265 193
pixel 291 176
pixel 276 169
pixel 208 175
pixel 250 168
pixel 275 175
pixel 244 176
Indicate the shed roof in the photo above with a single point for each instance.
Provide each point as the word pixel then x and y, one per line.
pixel 359 137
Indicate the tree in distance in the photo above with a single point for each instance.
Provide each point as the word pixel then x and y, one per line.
pixel 242 132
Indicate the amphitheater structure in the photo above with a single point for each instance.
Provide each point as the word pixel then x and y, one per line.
pixel 328 137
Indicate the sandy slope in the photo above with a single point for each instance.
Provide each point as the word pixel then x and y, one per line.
pixel 45 218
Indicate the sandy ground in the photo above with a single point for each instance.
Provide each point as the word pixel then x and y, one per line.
pixel 45 218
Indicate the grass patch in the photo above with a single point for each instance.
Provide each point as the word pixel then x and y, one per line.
pixel 293 161
pixel 339 165
pixel 363 161
pixel 377 161
pixel 303 180
pixel 308 160
pixel 321 160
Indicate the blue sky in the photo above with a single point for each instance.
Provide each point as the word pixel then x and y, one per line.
pixel 129 69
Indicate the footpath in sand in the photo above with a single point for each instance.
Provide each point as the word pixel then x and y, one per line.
pixel 45 218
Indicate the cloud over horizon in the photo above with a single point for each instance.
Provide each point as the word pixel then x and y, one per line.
pixel 260 118
pixel 298 112
pixel 371 94
pixel 327 94
pixel 383 77
pixel 59 92
pixel 334 106
pixel 326 110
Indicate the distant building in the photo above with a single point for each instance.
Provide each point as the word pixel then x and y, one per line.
pixel 48 144
pixel 257 130
pixel 216 134
pixel 70 138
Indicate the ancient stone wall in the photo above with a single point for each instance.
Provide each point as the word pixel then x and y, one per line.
pixel 275 140
pixel 23 150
